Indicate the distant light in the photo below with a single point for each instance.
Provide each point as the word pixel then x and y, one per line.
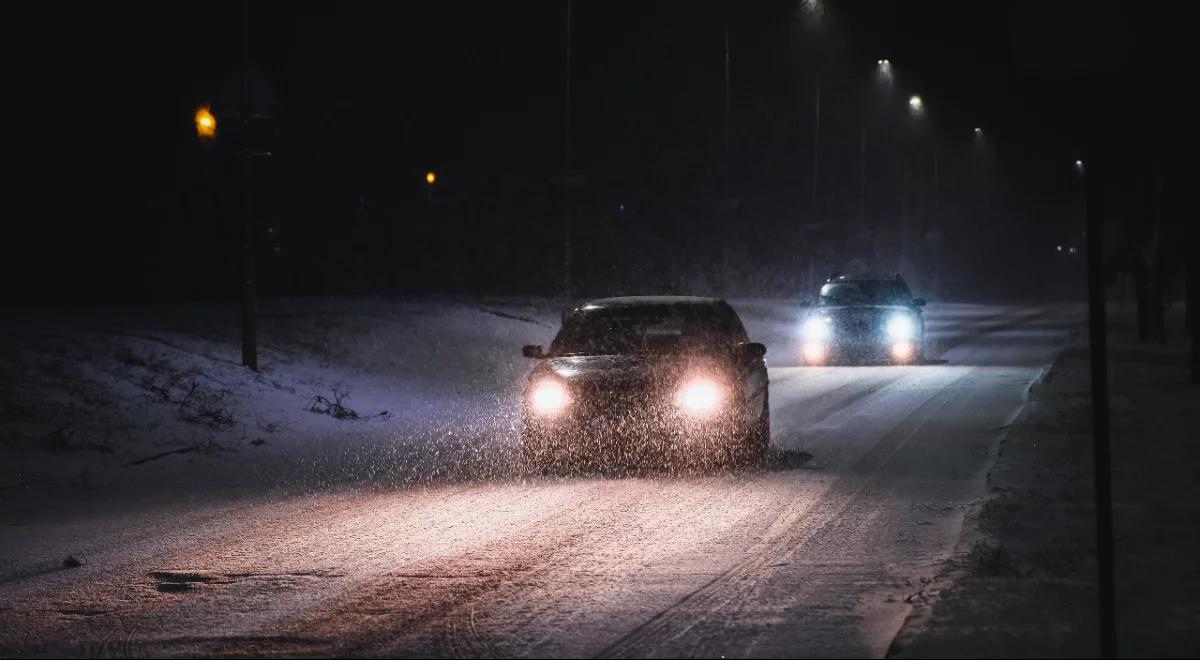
pixel 430 178
pixel 620 208
pixel 206 123
pixel 1072 250
pixel 915 102
pixel 1079 163
pixel 978 131
pixel 1060 248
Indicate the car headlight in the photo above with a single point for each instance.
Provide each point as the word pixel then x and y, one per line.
pixel 900 326
pixel 548 397
pixel 700 396
pixel 816 328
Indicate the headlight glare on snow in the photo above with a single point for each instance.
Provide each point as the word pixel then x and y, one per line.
pixel 814 352
pixel 548 397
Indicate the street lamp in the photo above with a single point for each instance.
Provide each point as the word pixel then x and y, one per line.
pixel 883 71
pixel 915 103
pixel 206 123
pixel 430 179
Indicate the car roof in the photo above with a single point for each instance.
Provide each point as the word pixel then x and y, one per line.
pixel 647 301
pixel 864 278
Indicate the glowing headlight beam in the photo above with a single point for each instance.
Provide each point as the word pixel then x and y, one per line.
pixel 816 329
pixel 900 327
pixel 699 396
pixel 548 397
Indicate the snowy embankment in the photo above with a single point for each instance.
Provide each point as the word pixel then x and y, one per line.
pixel 156 397
pixel 105 403
pixel 1023 582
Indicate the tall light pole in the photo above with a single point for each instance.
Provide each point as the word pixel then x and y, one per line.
pixel 883 79
pixel 568 202
pixel 916 111
pixel 249 295
pixel 725 122
pixel 726 169
pixel 1101 449
pixel 816 153
pixel 862 179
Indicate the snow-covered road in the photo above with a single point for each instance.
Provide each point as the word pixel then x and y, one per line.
pixel 871 471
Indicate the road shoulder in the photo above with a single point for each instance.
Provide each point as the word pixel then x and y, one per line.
pixel 1022 581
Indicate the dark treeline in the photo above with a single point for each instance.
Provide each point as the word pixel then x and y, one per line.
pixel 668 192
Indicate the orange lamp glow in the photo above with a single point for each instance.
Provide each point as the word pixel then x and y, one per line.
pixel 206 123
pixel 430 178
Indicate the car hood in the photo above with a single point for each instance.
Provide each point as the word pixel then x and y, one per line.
pixel 856 320
pixel 627 371
pixel 861 312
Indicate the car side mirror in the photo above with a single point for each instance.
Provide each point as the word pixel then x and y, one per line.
pixel 918 302
pixel 755 350
pixel 533 351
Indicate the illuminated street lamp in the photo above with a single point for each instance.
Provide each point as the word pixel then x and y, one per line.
pixel 206 123
pixel 883 71
pixel 430 179
pixel 915 103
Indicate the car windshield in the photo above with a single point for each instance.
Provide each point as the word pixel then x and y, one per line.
pixel 658 329
pixel 866 292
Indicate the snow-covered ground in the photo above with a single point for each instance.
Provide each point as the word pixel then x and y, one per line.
pixel 274 529
pixel 1023 580
pixel 97 404
pixel 105 403
pixel 142 397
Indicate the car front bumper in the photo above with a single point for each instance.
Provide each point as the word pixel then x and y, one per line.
pixel 868 348
pixel 638 433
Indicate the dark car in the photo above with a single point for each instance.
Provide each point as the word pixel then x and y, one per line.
pixel 864 319
pixel 659 378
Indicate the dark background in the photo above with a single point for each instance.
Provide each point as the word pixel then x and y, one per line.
pixel 112 198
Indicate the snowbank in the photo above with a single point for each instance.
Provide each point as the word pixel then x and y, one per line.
pixel 1023 582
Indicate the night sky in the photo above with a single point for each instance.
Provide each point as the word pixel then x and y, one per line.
pixel 101 98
